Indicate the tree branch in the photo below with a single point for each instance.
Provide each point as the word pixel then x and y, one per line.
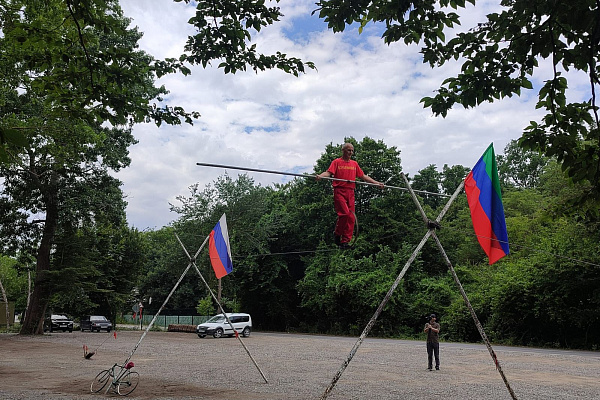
pixel 87 56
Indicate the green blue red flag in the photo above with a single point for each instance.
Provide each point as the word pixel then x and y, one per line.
pixel 219 250
pixel 485 202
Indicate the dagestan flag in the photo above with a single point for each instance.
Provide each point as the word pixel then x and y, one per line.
pixel 485 202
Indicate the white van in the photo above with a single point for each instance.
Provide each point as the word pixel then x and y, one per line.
pixel 218 325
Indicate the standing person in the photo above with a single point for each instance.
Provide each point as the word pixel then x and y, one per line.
pixel 343 193
pixel 432 328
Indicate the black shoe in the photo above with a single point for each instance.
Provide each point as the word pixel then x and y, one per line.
pixel 437 368
pixel 336 239
pixel 429 369
pixel 345 246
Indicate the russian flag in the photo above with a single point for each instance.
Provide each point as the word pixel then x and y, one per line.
pixel 485 202
pixel 219 250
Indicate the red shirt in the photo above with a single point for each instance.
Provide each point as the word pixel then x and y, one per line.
pixel 342 169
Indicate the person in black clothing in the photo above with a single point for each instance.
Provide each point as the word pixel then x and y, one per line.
pixel 432 329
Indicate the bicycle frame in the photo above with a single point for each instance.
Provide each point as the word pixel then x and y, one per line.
pixel 122 382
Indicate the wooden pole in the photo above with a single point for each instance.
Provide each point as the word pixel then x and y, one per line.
pixel 165 302
pixel 474 316
pixel 219 292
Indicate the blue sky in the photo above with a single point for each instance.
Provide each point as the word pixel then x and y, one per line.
pixel 276 121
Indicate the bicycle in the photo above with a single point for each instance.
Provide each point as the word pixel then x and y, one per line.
pixel 122 382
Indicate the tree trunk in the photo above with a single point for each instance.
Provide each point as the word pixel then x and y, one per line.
pixel 6 304
pixel 33 324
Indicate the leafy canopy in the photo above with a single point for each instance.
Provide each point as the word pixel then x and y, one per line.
pixel 80 59
pixel 225 30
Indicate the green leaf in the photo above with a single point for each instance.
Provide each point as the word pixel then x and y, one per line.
pixel 13 136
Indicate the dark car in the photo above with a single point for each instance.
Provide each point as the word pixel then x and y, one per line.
pixel 58 322
pixel 95 323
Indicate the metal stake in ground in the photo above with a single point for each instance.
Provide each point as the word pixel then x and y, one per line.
pixel 193 262
pixel 387 297
pixel 462 291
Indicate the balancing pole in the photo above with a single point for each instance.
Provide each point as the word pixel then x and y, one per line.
pixel 266 171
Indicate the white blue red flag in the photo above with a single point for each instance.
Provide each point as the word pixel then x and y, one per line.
pixel 219 250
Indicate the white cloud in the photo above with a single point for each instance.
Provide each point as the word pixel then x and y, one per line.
pixel 276 121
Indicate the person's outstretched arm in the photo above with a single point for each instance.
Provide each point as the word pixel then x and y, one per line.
pixel 325 174
pixel 367 178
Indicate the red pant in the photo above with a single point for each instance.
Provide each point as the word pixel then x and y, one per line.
pixel 343 202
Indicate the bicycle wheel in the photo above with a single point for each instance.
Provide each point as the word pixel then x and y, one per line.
pixel 128 382
pixel 100 381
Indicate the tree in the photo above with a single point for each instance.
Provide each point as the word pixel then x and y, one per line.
pixel 262 285
pixel 67 187
pixel 429 180
pixel 80 59
pixel 13 285
pixel 520 168
pixel 224 32
pixel 452 177
pixel 95 267
pixel 72 83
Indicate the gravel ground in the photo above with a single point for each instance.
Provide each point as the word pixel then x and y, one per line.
pixel 183 366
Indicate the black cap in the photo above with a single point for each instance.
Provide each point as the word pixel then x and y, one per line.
pixel 432 316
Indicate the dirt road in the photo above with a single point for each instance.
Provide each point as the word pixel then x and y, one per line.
pixel 183 366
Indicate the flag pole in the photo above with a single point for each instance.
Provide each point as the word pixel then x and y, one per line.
pixel 266 171
pixel 193 263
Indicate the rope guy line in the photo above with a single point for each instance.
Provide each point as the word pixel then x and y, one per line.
pixel 466 232
pixel 266 171
pixel 288 253
pixel 463 231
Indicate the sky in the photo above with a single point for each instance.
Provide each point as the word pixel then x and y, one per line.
pixel 276 121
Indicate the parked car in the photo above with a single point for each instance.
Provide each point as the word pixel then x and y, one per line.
pixel 95 323
pixel 218 325
pixel 58 322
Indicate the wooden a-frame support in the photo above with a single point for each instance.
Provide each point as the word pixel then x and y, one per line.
pixel 431 227
pixel 192 263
